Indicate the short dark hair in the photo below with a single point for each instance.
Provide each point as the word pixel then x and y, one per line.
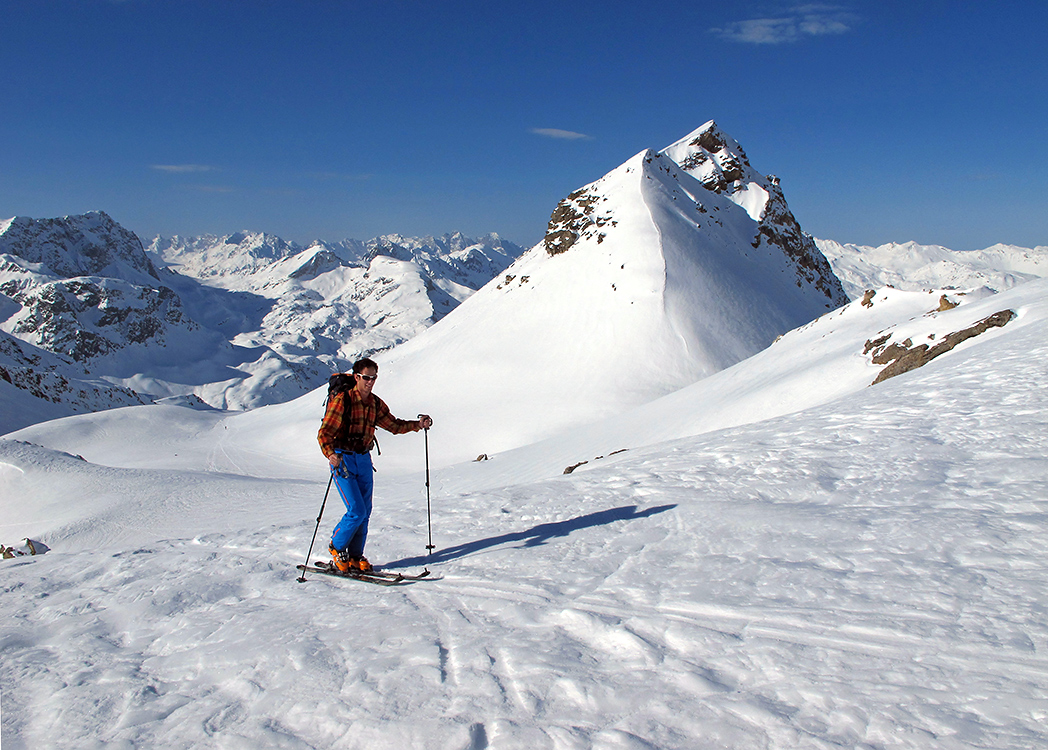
pixel 363 364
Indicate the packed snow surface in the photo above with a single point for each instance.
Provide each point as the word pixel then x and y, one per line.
pixel 867 569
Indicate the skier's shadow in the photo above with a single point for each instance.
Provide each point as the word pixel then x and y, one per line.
pixel 535 536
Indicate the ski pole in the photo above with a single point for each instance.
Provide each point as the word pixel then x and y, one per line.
pixel 302 578
pixel 429 512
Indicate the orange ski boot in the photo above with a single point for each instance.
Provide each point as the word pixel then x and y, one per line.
pixel 342 562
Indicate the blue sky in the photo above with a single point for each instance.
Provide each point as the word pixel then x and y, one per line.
pixel 886 121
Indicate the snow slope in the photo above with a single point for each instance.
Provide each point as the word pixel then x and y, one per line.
pixel 865 573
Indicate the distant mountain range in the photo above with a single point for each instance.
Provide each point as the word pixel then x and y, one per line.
pixel 91 319
pixel 675 265
pixel 912 267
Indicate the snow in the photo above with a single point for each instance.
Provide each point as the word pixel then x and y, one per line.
pixel 753 198
pixel 860 567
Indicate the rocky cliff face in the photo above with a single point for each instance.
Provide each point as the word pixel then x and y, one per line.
pixel 84 287
pixel 84 318
pixel 63 386
pixel 721 165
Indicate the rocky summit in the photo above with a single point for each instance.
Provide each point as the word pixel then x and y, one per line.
pixel 721 165
pixel 84 287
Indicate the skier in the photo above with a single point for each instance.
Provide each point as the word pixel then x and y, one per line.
pixel 346 436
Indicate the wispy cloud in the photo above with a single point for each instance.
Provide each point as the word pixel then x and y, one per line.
pixel 800 22
pixel 182 168
pixel 565 135
pixel 340 176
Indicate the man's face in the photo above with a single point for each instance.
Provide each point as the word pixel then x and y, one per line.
pixel 366 380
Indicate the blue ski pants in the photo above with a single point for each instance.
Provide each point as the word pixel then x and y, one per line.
pixel 355 480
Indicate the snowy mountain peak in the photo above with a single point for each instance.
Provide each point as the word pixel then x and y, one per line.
pixel 91 244
pixel 717 161
pixel 720 164
pixel 717 172
pixel 646 265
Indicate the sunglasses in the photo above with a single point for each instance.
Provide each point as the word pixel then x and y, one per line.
pixel 367 377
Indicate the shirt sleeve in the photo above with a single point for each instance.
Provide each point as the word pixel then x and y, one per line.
pixel 331 425
pixel 389 423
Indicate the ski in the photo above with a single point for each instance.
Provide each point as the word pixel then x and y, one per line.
pixel 400 576
pixel 379 573
pixel 332 571
pixel 379 577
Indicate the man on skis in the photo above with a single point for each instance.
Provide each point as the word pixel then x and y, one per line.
pixel 346 436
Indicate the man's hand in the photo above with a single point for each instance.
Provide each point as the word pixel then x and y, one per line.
pixel 424 421
pixel 334 459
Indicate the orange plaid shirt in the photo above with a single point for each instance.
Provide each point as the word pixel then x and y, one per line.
pixel 348 418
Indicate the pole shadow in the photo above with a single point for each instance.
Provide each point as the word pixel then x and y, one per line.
pixel 536 536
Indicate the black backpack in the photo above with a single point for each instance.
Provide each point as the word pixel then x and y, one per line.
pixel 340 382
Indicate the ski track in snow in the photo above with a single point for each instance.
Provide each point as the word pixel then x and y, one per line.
pixel 869 574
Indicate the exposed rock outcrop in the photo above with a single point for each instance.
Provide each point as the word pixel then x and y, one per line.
pixel 904 356
pixel 84 318
pixel 574 217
